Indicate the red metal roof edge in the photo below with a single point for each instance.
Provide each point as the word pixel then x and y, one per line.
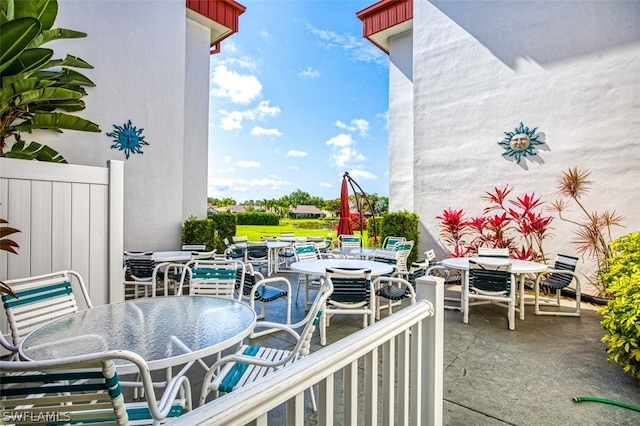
pixel 384 15
pixel 224 12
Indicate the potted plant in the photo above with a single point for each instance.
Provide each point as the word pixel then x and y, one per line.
pixel 7 245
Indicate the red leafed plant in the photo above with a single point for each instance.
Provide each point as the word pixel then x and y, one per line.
pixel 517 224
pixel 7 245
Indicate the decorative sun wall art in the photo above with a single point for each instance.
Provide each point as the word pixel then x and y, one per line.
pixel 521 142
pixel 128 139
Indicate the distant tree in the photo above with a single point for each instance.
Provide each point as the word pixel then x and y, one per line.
pixel 298 197
pixel 333 206
pixel 222 202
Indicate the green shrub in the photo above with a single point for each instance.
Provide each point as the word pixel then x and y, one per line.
pixel 622 312
pixel 211 231
pixel 401 224
pixel 258 218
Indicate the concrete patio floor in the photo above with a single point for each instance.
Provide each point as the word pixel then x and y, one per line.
pixel 493 376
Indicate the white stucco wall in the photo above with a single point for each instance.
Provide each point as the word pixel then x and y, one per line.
pixel 481 67
pixel 147 70
pixel 401 122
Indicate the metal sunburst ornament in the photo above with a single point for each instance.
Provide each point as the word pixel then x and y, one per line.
pixel 128 139
pixel 521 142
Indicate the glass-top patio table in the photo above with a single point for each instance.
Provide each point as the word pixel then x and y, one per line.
pixel 165 331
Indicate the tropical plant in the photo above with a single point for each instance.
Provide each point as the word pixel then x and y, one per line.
pixel 593 232
pixel 516 224
pixel 7 245
pixel 621 315
pixel 37 91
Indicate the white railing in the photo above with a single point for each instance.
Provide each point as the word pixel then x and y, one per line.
pixel 397 361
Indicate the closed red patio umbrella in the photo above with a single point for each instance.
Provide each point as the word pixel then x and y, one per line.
pixel 344 225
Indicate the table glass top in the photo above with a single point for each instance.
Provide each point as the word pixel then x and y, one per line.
pixel 155 328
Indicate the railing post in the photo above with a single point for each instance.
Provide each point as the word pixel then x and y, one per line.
pixel 432 289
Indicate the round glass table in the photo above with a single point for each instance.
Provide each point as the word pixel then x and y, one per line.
pixel 165 331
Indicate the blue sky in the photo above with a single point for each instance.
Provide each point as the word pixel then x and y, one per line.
pixel 298 97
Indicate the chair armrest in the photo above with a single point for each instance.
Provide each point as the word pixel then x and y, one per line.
pixel 270 281
pixel 283 327
pixel 548 272
pixel 400 282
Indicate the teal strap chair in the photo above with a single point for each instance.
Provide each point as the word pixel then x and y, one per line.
pixel 251 362
pixel 252 285
pixel 491 282
pixel 554 280
pixel 215 277
pixel 85 389
pixel 353 294
pixel 40 300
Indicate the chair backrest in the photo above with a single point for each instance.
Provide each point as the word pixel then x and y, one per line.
pixel 83 389
pixel 563 262
pixel 212 277
pixel 139 266
pixel 390 241
pixel 403 250
pixel 490 277
pixel 246 278
pixel 40 300
pixel 257 250
pixel 430 257
pixel 350 241
pixel 194 247
pixel 305 251
pixel 203 255
pixel 240 239
pixel 350 285
pixel 502 253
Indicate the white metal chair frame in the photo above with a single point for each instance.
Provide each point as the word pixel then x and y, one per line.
pixel 350 241
pixel 497 276
pixel 251 363
pixel 149 282
pixel 86 389
pixel 194 247
pixel 40 300
pixel 561 276
pixel 502 253
pixel 395 289
pixel 305 252
pixel 215 277
pixel 253 286
pixel 353 294
pixel 390 241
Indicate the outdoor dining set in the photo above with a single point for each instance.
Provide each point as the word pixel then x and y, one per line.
pixel 187 305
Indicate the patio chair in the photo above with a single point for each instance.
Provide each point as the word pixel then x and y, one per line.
pixel 353 294
pixel 253 286
pixel 501 253
pixel 194 247
pixel 396 290
pixel 258 254
pixel 251 363
pixel 142 275
pixel 491 283
pixel 210 278
pixel 40 300
pixel 203 255
pixel 451 277
pixel 305 252
pixel 231 251
pixel 350 241
pixel 390 241
pixel 85 389
pixel 554 280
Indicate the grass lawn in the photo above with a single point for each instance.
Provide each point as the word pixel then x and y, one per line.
pixel 254 232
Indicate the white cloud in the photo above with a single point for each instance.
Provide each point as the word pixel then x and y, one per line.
pixel 362 174
pixel 295 153
pixel 238 88
pixel 261 131
pixel 341 140
pixel 265 34
pixel 248 164
pixel 358 48
pixel 344 156
pixel 309 72
pixel 220 186
pixel 233 120
pixel 359 125
pixel 226 159
pixel 325 185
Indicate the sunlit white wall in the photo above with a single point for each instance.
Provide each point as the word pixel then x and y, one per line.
pixel 482 67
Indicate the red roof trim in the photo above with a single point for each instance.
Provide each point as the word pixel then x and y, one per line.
pixel 384 15
pixel 224 12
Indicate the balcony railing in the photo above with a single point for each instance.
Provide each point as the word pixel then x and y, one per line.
pixel 397 362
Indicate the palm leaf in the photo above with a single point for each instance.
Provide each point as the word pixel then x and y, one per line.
pixel 56 121
pixel 16 36
pixel 44 11
pixel 56 34
pixel 29 60
pixel 34 151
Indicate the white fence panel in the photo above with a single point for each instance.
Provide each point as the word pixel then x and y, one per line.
pixel 69 217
